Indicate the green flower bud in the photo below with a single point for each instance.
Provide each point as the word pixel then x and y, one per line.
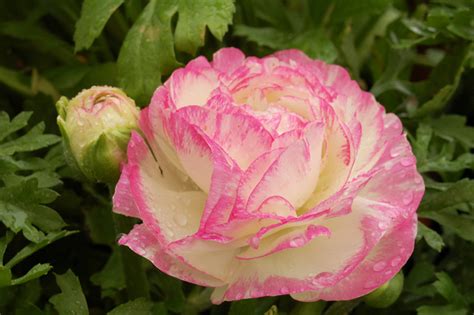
pixel 387 294
pixel 96 127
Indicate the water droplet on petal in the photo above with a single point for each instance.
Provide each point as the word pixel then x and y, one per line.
pixel 407 161
pixel 180 219
pixel 396 261
pixel 395 151
pixel 379 266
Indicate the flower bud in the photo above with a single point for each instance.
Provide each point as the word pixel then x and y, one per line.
pixel 96 127
pixel 387 294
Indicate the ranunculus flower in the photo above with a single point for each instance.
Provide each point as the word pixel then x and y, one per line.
pixel 96 126
pixel 270 176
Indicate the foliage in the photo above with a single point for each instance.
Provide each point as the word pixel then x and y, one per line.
pixel 415 56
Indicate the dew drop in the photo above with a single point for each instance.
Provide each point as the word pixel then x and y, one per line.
pixel 180 219
pixel 418 180
pixel 396 261
pixel 407 161
pixel 296 242
pixel 395 151
pixel 379 266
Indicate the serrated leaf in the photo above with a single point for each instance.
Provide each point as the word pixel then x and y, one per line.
pixel 194 16
pixel 140 306
pixel 71 300
pixel 147 51
pixel 8 127
pixel 23 210
pixel 94 16
pixel 33 140
pixel 432 238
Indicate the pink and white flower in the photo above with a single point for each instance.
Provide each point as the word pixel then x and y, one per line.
pixel 270 176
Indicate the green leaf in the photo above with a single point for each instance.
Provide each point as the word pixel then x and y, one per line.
pixel 31 141
pixel 459 193
pixel 71 300
pixel 4 241
pixel 148 51
pixel 435 93
pixel 172 289
pixel 140 306
pixel 441 310
pixel 453 128
pixel 111 278
pixel 349 9
pixel 35 272
pixel 342 307
pixel 94 16
pixel 446 287
pixel 433 239
pixel 193 18
pixel 251 306
pixel 23 210
pixel 16 81
pixel 34 247
pixel 313 42
pixel 40 38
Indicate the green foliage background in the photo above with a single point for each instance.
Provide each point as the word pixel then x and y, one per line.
pixel 415 56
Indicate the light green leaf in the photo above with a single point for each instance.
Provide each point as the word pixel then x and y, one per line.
pixel 433 239
pixel 35 272
pixel 148 51
pixel 140 306
pixel 193 18
pixel 71 300
pixel 453 128
pixel 94 16
pixel 441 310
